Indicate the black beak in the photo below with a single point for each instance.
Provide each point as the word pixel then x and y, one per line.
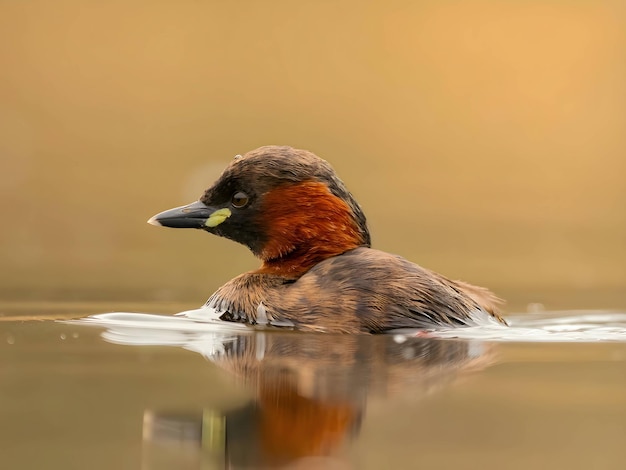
pixel 194 215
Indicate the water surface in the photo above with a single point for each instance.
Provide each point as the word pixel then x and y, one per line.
pixel 76 396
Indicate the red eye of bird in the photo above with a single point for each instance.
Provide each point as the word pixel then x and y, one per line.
pixel 239 199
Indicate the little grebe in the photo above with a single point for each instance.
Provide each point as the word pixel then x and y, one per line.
pixel 318 273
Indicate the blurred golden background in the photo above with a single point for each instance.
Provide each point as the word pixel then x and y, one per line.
pixel 484 139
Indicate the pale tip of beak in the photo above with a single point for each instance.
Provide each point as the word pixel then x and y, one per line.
pixel 153 221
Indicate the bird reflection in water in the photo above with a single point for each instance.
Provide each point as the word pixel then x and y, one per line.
pixel 310 394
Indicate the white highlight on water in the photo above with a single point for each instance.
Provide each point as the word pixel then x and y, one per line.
pixel 551 327
pixel 202 331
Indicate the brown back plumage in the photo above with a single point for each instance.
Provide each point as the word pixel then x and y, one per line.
pixel 363 290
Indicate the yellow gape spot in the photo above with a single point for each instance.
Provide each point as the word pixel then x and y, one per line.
pixel 217 217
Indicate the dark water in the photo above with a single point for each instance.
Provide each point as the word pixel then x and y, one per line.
pixel 160 397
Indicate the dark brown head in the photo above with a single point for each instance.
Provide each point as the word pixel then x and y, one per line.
pixel 287 205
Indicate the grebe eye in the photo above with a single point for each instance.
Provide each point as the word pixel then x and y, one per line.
pixel 239 200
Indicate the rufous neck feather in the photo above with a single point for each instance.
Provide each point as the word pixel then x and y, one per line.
pixel 306 224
